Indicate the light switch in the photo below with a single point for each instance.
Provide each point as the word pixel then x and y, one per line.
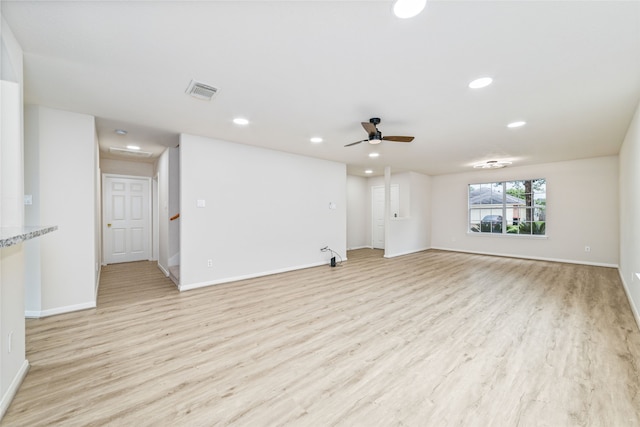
pixel 28 199
pixel 332 205
pixel 200 203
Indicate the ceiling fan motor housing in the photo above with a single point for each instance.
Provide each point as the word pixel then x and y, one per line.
pixel 375 138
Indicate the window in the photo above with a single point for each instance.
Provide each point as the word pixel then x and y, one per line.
pixel 510 207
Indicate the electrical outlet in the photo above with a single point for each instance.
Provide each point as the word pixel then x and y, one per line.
pixel 587 248
pixel 209 263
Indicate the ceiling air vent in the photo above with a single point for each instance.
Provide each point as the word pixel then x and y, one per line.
pixel 201 91
pixel 132 153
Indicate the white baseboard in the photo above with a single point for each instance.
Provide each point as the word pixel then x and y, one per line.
pixel 247 276
pixel 164 270
pixel 359 247
pixel 566 261
pixel 634 309
pixel 59 310
pixel 405 253
pixel 13 388
pixel 97 284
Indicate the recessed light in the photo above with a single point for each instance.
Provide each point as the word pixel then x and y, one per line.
pixel 133 147
pixel 374 154
pixel 241 121
pixel 121 131
pixel 408 8
pixel 480 83
pixel 516 124
pixel 368 171
pixel 316 139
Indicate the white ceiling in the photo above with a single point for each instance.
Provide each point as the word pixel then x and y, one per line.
pixel 297 69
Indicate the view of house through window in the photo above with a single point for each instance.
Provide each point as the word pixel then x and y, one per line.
pixel 510 207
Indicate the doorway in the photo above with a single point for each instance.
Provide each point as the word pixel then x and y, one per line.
pixel 126 219
pixel 378 212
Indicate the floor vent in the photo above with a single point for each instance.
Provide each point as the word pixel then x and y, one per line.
pixel 201 91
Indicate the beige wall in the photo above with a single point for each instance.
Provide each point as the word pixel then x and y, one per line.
pixel 125 167
pixel 630 213
pixel 582 210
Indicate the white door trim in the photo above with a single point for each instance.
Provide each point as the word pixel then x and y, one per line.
pixel 147 237
pixel 374 218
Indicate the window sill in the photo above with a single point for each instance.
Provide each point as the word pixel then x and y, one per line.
pixel 510 236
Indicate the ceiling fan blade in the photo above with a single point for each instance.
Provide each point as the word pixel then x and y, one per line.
pixel 398 138
pixel 354 143
pixel 369 127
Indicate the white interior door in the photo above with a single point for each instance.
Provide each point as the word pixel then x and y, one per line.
pixel 377 220
pixel 126 218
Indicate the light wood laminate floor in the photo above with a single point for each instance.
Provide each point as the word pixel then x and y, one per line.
pixel 429 339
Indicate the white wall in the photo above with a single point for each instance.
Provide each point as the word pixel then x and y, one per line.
pixel 410 233
pixel 64 172
pixel 358 213
pixel 168 206
pixel 97 208
pixel 266 211
pixel 162 167
pixel 11 65
pixel 582 210
pixel 630 213
pixel 32 250
pixel 125 167
pixel 174 206
pixel 155 218
pixel 13 362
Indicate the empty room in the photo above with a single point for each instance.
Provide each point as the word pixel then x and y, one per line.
pixel 313 213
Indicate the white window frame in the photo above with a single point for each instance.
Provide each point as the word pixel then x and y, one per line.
pixel 475 225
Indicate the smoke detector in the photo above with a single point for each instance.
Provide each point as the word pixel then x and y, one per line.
pixel 201 91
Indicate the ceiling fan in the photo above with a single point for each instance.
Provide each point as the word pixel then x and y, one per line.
pixel 375 137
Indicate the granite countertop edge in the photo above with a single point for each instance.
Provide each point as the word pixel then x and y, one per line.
pixel 11 236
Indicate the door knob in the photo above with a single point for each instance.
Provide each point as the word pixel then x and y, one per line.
pixel 108 225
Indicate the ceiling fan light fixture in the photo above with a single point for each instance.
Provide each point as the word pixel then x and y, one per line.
pixel 408 8
pixel 492 164
pixel 375 141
